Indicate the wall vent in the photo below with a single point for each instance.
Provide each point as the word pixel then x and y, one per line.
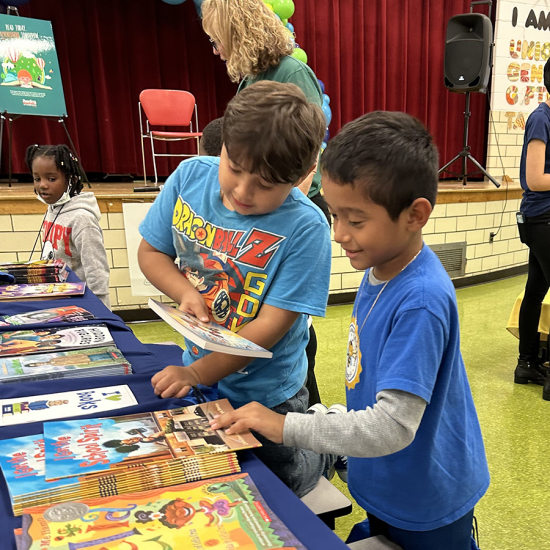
pixel 452 256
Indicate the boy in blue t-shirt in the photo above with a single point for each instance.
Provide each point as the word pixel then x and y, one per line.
pixel 254 256
pixel 417 462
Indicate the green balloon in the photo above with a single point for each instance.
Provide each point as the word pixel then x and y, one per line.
pixel 283 8
pixel 299 54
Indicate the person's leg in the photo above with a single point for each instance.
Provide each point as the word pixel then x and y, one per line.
pixel 455 536
pixel 299 469
pixel 311 381
pixel 538 282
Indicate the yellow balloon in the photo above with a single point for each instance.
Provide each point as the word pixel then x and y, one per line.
pixel 269 6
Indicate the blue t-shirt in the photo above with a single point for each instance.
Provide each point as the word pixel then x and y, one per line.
pixel 240 262
pixel 535 203
pixel 411 342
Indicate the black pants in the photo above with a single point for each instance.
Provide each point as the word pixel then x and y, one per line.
pixel 537 238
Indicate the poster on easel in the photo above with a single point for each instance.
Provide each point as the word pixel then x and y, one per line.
pixel 30 80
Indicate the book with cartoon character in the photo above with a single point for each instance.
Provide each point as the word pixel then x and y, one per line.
pixel 41 291
pixel 223 513
pixel 69 314
pixel 27 342
pixel 209 336
pixel 38 408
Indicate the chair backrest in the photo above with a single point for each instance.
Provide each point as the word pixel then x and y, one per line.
pixel 167 107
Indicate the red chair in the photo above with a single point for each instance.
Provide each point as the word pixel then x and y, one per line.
pixel 167 108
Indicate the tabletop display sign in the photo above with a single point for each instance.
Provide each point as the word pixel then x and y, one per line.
pixel 30 80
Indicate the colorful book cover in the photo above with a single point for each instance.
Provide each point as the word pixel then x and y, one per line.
pixel 69 314
pixel 23 342
pixel 46 290
pixel 209 336
pixel 23 464
pixel 60 361
pixel 79 447
pixel 39 408
pixel 224 513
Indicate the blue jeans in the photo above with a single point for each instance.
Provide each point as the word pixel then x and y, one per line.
pixel 299 469
pixel 455 536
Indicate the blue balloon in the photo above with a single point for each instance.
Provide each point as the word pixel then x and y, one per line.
pixel 326 99
pixel 327 112
pixel 15 3
pixel 290 27
pixel 198 6
pixel 327 135
pixel 174 2
pixel 323 146
pixel 321 85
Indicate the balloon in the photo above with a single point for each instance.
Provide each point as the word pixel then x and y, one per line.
pixel 269 7
pixel 327 112
pixel 198 4
pixel 15 3
pixel 285 21
pixel 321 85
pixel 283 8
pixel 13 54
pixel 174 2
pixel 290 27
pixel 323 146
pixel 327 135
pixel 326 99
pixel 40 62
pixel 299 54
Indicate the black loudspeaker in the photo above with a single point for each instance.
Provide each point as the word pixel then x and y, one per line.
pixel 468 47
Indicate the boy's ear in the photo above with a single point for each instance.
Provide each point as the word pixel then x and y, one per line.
pixel 308 176
pixel 419 214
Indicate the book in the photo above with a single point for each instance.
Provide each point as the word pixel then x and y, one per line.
pixel 43 291
pixel 208 336
pixel 223 513
pixel 36 271
pixel 23 342
pixel 38 408
pixel 104 361
pixel 69 314
pixel 124 441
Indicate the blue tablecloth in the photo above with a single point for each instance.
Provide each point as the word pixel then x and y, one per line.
pixel 146 360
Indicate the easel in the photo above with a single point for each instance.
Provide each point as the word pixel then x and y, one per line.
pixel 11 118
pixel 12 10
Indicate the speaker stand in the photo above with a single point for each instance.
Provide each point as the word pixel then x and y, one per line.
pixel 465 154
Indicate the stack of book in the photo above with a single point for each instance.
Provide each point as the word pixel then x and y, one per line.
pixel 101 457
pixel 40 271
pixel 69 314
pixel 223 513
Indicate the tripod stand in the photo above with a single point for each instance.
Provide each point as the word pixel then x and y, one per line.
pixel 465 153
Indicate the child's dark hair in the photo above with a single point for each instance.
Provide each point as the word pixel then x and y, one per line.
pixel 390 157
pixel 547 75
pixel 65 161
pixel 211 140
pixel 270 129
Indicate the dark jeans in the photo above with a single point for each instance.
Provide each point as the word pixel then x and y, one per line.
pixel 311 381
pixel 537 238
pixel 455 536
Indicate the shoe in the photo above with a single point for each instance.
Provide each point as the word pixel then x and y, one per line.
pixel 529 371
pixel 341 464
pixel 317 408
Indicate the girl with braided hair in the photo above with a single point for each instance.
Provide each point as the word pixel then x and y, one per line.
pixel 70 230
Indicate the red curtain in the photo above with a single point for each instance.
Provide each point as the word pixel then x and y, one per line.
pixel 371 54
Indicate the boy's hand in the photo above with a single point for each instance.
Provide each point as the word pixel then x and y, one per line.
pixel 173 381
pixel 252 416
pixel 192 302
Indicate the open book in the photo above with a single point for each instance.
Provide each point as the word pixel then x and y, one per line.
pixel 209 336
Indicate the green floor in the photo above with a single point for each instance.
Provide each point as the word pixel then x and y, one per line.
pixel 514 512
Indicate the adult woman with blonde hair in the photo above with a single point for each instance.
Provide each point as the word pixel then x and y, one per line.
pixel 255 45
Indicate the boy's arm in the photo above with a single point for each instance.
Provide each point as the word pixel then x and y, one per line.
pixel 270 325
pixel 535 160
pixel 161 271
pixel 386 428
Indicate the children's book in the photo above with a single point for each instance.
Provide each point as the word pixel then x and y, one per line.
pixel 64 364
pixel 209 336
pixel 24 342
pixel 42 291
pixel 81 447
pixel 38 408
pixel 69 314
pixel 224 513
